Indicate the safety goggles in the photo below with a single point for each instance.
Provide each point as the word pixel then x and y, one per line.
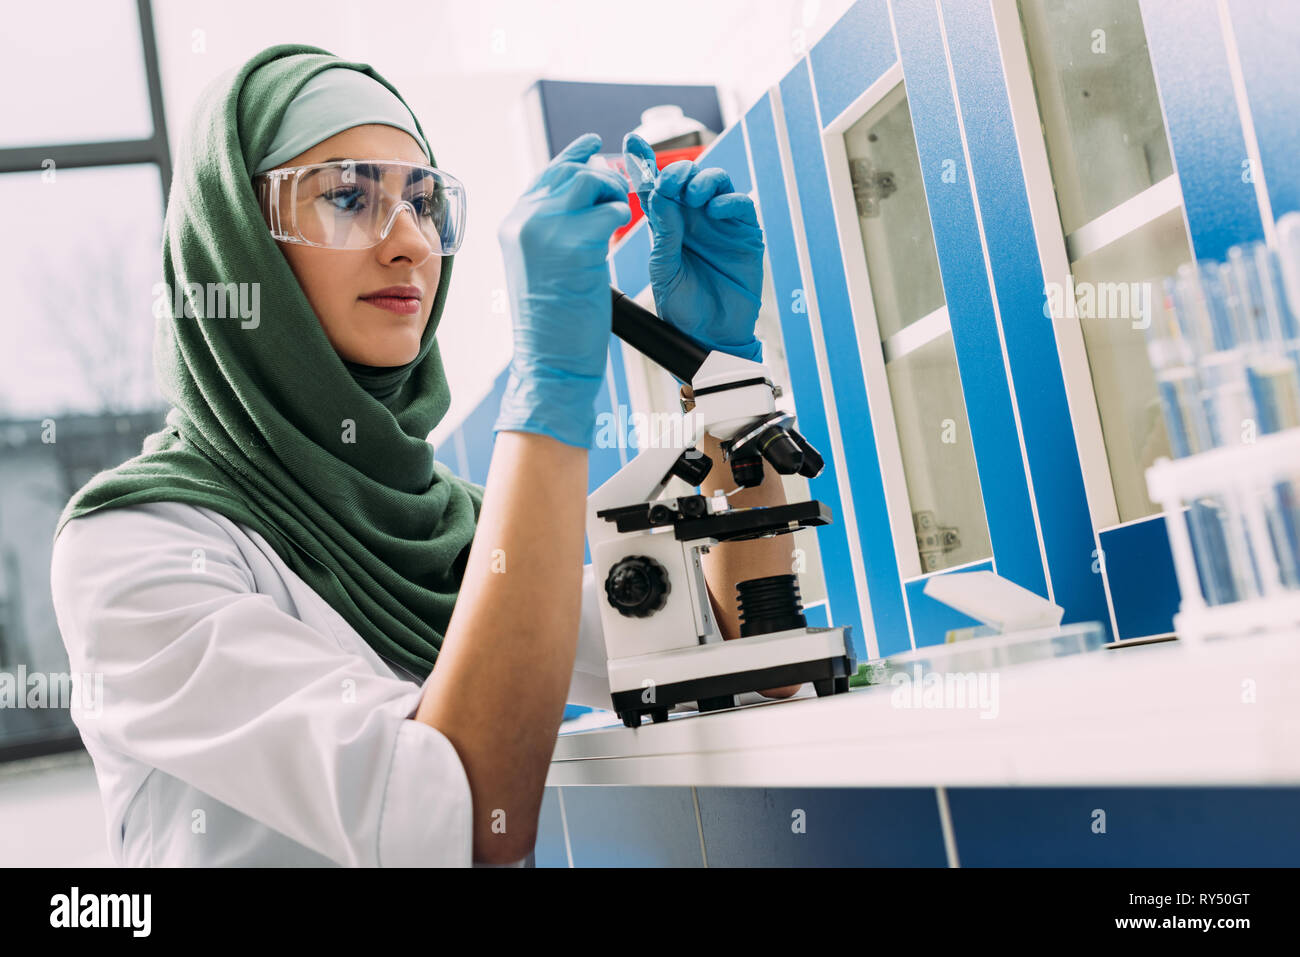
pixel 354 204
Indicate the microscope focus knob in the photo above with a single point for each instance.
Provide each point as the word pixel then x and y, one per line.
pixel 637 586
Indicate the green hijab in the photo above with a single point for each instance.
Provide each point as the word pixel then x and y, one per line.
pixel 327 459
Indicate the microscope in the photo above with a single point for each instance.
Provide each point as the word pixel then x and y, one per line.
pixel 663 643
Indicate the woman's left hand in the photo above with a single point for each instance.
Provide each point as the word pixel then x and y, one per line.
pixel 706 263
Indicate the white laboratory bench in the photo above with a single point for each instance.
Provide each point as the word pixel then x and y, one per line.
pixel 1221 713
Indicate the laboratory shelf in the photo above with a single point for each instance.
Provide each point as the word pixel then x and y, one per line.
pixel 1170 713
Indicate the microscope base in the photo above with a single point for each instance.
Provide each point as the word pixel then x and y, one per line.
pixel 829 675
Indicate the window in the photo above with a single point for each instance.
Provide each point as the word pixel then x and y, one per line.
pixel 81 282
pixel 1120 212
pixel 74 81
pixel 911 316
pixel 84 169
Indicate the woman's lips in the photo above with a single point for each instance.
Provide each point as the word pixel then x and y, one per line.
pixel 398 304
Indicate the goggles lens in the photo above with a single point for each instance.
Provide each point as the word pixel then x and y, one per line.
pixel 354 204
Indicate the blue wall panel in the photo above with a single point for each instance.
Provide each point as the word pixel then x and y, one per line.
pixel 1191 69
pixel 728 152
pixel 632 827
pixel 445 453
pixel 1018 282
pixel 841 827
pixel 1268 41
pixel 893 827
pixel 778 233
pixel 853 54
pixel 841 343
pixel 970 306
pixel 549 850
pixel 1145 827
pixel 1140 572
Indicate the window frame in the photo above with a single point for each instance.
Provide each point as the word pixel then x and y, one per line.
pixel 154 150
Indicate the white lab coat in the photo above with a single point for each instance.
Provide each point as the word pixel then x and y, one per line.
pixel 242 721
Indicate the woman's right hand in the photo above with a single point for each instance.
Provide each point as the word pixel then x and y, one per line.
pixel 555 244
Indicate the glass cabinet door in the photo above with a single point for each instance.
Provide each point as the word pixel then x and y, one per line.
pixel 1120 209
pixel 893 215
pixel 1133 425
pixel 942 483
pixel 1098 102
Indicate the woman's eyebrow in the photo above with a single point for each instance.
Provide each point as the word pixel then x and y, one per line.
pixel 368 166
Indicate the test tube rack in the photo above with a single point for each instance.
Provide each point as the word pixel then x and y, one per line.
pixel 1241 480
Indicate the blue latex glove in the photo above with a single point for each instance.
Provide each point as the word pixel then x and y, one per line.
pixel 706 263
pixel 555 242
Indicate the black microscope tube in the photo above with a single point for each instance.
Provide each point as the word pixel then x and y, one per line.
pixel 655 338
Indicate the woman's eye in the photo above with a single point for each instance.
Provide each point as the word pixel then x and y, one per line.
pixel 428 204
pixel 345 200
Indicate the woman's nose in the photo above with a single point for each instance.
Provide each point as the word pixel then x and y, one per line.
pixel 405 231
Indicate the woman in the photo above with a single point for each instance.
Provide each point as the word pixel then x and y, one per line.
pixel 265 589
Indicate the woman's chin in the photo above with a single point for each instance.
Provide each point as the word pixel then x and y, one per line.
pixel 395 354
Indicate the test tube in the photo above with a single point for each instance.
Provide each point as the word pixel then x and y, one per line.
pixel 1174 338
pixel 1173 360
pixel 1201 377
pixel 1225 390
pixel 641 172
pixel 1271 370
pixel 1258 317
pixel 1285 299
pixel 1288 257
